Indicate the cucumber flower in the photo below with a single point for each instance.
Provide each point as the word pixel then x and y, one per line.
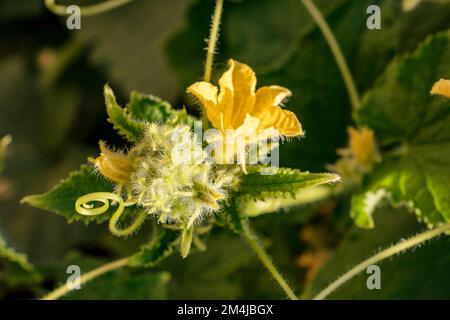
pixel 242 114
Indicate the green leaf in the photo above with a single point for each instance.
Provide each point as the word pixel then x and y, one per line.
pixel 122 120
pixel 142 108
pixel 261 182
pixel 137 63
pixel 124 283
pixel 417 127
pixel 157 250
pixel 149 108
pixel 62 198
pixel 216 273
pixel 419 273
pixel 267 189
pixel 15 268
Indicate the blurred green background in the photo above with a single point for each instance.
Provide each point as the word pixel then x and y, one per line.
pixel 51 102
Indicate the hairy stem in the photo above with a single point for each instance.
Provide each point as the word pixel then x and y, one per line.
pixel 64 289
pixel 389 252
pixel 337 53
pixel 91 10
pixel 212 41
pixel 266 260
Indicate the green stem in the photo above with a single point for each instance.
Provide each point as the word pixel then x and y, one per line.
pixel 337 53
pixel 265 259
pixel 389 252
pixel 61 10
pixel 212 41
pixel 64 289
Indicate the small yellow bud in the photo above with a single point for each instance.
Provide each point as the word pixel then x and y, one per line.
pixel 186 241
pixel 116 166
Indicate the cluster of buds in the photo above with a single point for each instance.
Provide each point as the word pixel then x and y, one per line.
pixel 169 176
pixel 173 179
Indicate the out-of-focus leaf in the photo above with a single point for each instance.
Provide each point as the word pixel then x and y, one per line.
pixel 420 273
pixel 402 113
pixel 20 9
pixel 120 284
pixel 438 9
pixel 123 285
pixel 126 44
pixel 157 250
pixel 15 269
pixel 246 25
pixel 213 274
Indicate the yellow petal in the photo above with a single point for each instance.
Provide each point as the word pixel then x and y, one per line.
pixel 237 93
pixel 207 94
pixel 271 115
pixel 442 87
pixel 249 127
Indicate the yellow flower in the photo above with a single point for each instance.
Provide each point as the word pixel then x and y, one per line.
pixel 442 87
pixel 238 107
pixel 359 157
pixel 362 145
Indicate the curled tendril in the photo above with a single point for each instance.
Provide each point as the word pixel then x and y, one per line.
pixel 91 10
pixel 85 206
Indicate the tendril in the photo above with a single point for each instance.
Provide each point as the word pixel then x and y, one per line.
pixel 91 10
pixel 85 206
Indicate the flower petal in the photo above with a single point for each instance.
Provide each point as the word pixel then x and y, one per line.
pixel 248 128
pixel 442 87
pixel 271 115
pixel 207 94
pixel 237 93
pixel 363 145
